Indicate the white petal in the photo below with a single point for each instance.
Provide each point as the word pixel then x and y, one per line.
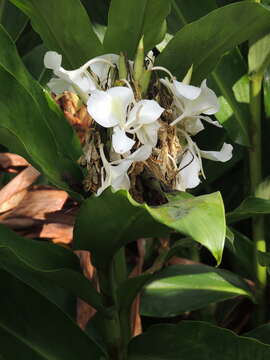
pixel 58 86
pixel 120 141
pixel 189 171
pixel 192 125
pixel 123 94
pixel 188 91
pixel 148 134
pixel 207 103
pixel 141 154
pixel 120 179
pixel 210 121
pixel 100 107
pixel 146 112
pixel 101 69
pixel 223 155
pixel 52 60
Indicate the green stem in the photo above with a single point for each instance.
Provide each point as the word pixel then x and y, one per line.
pixel 111 326
pixel 255 164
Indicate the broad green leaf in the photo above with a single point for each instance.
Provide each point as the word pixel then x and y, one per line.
pixel 266 91
pixel 195 340
pixel 39 264
pixel 242 250
pixel 228 79
pixel 115 219
pixel 64 27
pixel 32 118
pixel 40 325
pixel 204 41
pixel 181 288
pixel 33 61
pixel 259 55
pixel 261 333
pixel 249 207
pixel 13 20
pixel 129 20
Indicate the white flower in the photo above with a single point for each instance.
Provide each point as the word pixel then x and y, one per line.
pixel 112 108
pixel 191 102
pixel 80 81
pixel 190 166
pixel 115 173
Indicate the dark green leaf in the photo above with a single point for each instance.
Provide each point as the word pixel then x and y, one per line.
pixel 261 333
pixel 40 325
pixel 128 21
pixel 39 264
pixel 259 55
pixel 249 207
pixel 32 118
pixel 266 91
pixel 195 340
pixel 115 219
pixel 228 79
pixel 204 41
pixel 64 27
pixel 181 288
pixel 13 20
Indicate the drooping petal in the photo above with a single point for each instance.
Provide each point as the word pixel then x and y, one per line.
pixel 190 167
pixel 223 155
pixel 52 60
pixel 145 112
pixel 192 125
pixel 188 91
pixel 207 103
pixel 58 86
pixel 101 69
pixel 148 134
pixel 141 154
pixel 100 107
pixel 120 141
pixel 120 179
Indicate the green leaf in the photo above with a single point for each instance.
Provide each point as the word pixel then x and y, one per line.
pixel 249 207
pixel 39 264
pixel 259 55
pixel 204 41
pixel 13 20
pixel 33 122
pixel 129 20
pixel 64 27
pixel 261 333
pixel 181 288
pixel 118 220
pixel 228 79
pixel 33 61
pixel 195 340
pixel 266 91
pixel 39 325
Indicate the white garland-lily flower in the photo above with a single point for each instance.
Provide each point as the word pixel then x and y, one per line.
pixel 113 109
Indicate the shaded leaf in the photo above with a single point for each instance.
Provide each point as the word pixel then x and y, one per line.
pixel 195 340
pixel 13 20
pixel 40 325
pixel 64 27
pixel 249 207
pixel 261 333
pixel 212 32
pixel 31 261
pixel 115 219
pixel 181 288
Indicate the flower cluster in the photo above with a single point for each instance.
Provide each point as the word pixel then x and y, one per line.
pixel 153 131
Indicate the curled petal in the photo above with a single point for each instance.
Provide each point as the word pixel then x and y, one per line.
pixel 223 155
pixel 100 107
pixel 188 91
pixel 52 60
pixel 207 103
pixel 142 154
pixel 58 86
pixel 148 134
pixel 145 112
pixel 120 141
pixel 192 125
pixel 188 176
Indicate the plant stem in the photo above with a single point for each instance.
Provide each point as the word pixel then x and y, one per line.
pixel 111 326
pixel 255 163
